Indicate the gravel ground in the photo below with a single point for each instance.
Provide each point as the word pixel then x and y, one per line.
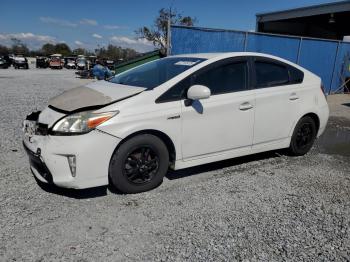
pixel 267 207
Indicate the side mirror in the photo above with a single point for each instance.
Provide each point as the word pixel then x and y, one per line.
pixel 198 92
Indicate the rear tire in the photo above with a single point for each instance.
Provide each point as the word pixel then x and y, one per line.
pixel 139 164
pixel 303 137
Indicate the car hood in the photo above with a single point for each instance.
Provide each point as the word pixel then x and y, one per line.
pixel 95 94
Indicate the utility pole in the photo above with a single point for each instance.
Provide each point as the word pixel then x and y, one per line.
pixel 168 37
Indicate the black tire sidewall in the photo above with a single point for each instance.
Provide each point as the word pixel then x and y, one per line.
pixel 116 174
pixel 293 149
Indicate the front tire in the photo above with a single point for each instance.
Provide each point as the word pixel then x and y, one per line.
pixel 139 164
pixel 303 137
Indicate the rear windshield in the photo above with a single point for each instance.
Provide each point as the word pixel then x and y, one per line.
pixel 155 73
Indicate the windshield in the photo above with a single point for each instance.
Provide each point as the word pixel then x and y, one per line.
pixel 156 72
pixel 81 60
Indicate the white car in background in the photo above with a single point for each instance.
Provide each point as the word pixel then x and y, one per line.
pixel 176 112
pixel 70 64
pixel 20 62
pixel 81 63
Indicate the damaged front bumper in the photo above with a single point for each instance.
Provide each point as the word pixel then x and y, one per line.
pixel 38 166
pixel 49 155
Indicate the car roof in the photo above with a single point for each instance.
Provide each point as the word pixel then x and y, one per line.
pixel 201 55
pixel 223 55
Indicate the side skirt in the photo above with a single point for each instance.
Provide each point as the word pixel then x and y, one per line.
pixel 274 145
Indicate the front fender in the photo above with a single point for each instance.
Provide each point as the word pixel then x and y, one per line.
pixel 170 127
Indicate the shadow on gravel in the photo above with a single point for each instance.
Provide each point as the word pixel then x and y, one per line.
pixel 222 164
pixel 335 141
pixel 102 191
pixel 73 193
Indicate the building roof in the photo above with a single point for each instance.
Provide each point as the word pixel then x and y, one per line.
pixel 335 7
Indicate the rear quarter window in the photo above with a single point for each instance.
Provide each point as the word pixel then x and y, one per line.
pixel 296 75
pixel 270 73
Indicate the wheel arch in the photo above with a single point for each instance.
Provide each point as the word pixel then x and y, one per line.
pixel 313 115
pixel 161 135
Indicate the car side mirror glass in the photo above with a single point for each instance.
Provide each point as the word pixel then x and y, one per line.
pixel 197 92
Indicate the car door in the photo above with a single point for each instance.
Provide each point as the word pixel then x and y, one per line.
pixel 276 100
pixel 225 120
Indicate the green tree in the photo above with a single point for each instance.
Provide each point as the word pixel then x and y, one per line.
pixel 158 33
pixel 18 47
pixel 63 49
pixel 116 53
pixel 4 50
pixel 48 49
pixel 79 51
pixel 60 48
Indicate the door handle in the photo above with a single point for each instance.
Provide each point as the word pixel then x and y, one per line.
pixel 293 97
pixel 245 106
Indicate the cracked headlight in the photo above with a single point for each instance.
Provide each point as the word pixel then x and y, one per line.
pixel 81 123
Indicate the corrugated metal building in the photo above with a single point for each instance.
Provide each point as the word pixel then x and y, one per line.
pixel 330 21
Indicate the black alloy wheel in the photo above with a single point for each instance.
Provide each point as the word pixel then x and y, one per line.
pixel 303 137
pixel 141 165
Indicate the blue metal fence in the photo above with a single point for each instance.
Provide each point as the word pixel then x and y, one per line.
pixel 192 40
pixel 341 67
pixel 326 58
pixel 284 47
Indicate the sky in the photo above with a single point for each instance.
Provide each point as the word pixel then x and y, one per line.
pixel 92 24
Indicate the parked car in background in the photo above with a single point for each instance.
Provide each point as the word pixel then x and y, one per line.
pixel 70 63
pixel 8 60
pixel 12 57
pixel 3 63
pixel 81 63
pixel 55 61
pixel 20 62
pixel 175 112
pixel 42 62
pixel 110 64
pixel 92 61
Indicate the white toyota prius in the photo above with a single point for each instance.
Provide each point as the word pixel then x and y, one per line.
pixel 176 112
